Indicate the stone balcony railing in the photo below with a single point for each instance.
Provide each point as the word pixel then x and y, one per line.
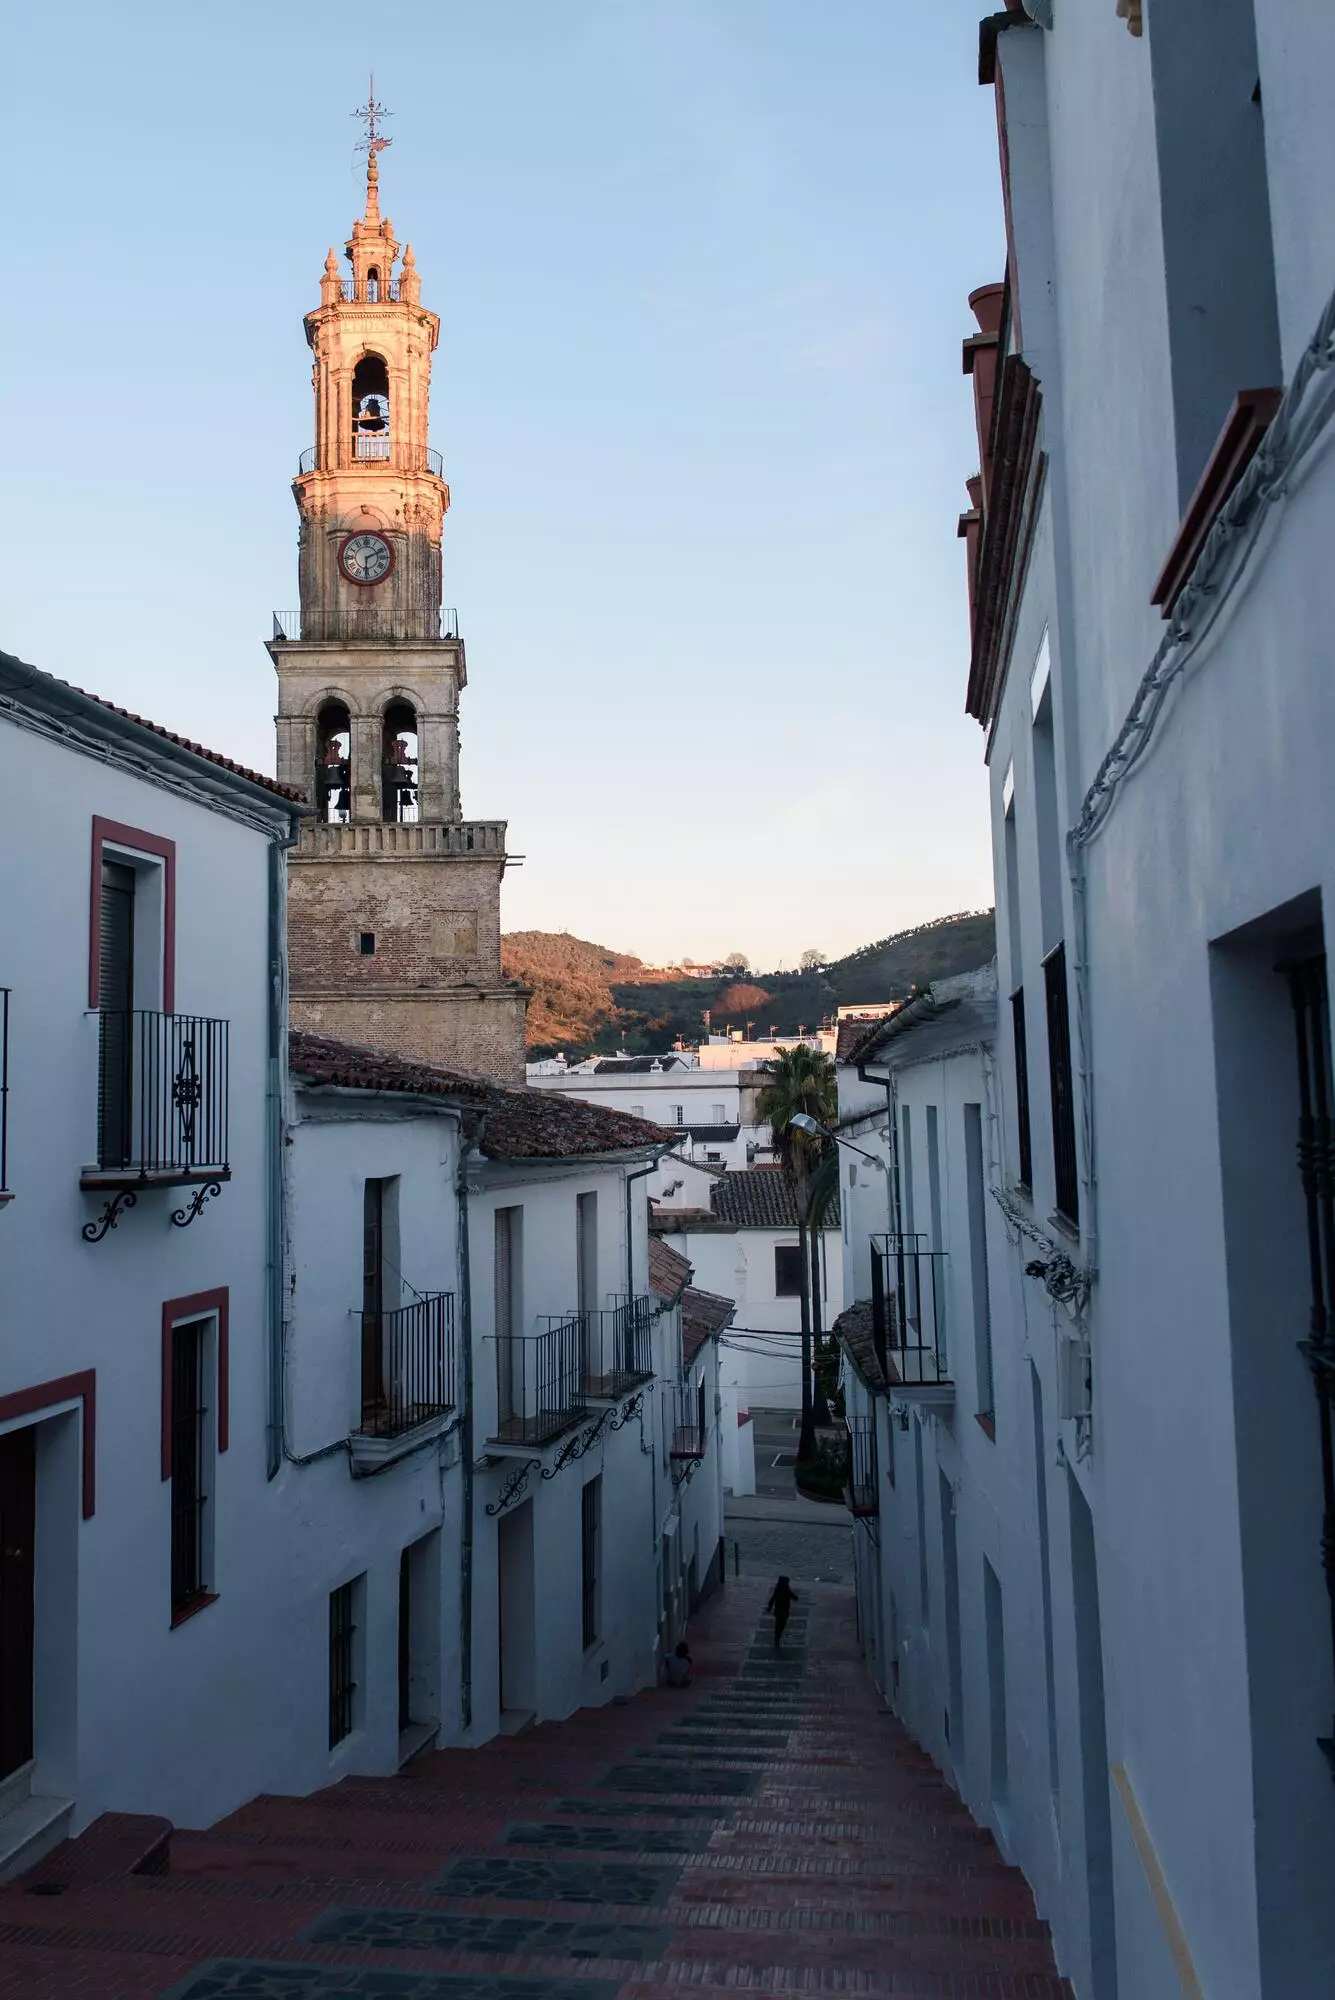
pixel 399 837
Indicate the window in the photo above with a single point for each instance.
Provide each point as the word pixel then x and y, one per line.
pixel 637 1111
pixel 586 1251
pixel 507 1277
pixel 1065 1167
pixel 719 1113
pixel 978 1284
pixel 366 944
pixel 189 1498
pixel 590 1510
pixel 714 1159
pixel 934 1176
pixel 677 1115
pixel 342 1660
pixel 380 1286
pixel 1023 1142
pixel 906 1172
pixel 115 1095
pixel 1047 814
pixel 787 1271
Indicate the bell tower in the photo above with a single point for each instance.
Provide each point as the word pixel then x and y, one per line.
pixel 394 898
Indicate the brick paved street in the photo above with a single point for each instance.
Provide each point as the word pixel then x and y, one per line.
pixel 769 1829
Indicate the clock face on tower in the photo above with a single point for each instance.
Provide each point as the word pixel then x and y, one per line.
pixel 365 558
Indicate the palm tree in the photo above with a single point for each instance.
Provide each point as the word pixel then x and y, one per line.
pixel 801 1080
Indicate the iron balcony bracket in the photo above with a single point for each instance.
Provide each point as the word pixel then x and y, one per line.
pixel 514 1488
pixel 93 1232
pixel 632 1409
pixel 576 1446
pixel 183 1217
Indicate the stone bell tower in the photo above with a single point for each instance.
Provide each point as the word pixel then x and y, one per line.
pixel 394 898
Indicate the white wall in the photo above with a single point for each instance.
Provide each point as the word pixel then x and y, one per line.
pixel 762 1350
pixel 118 1726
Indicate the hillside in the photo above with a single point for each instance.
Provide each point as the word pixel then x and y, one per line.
pixel 587 998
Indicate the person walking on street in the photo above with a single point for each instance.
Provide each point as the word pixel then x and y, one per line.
pixel 781 1601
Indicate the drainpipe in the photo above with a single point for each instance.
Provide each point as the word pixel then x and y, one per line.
pixel 275 1206
pixel 469 1136
pixel 638 1175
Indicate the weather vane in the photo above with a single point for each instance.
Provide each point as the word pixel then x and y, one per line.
pixel 372 113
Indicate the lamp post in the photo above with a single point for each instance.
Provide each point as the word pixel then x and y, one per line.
pixel 804 1122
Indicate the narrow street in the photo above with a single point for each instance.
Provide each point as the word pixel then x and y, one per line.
pixel 770 1828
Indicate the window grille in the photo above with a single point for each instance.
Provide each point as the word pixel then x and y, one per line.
pixel 188 1498
pixel 1064 1157
pixel 342 1686
pixel 1026 1160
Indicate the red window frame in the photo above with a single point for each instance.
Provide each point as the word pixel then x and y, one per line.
pixel 195 1305
pixel 139 841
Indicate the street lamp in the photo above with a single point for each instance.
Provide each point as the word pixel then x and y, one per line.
pixel 806 1123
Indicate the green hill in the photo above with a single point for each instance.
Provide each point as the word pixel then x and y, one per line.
pixel 588 999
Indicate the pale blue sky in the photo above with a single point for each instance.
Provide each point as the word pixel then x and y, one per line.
pixel 702 270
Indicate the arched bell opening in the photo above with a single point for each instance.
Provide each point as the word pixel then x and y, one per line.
pixel 399 790
pixel 370 407
pixel 373 285
pixel 333 763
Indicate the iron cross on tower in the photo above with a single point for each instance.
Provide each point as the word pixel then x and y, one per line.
pixel 371 114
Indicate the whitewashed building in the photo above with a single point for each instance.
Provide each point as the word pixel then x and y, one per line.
pixel 743 1244
pixel 141 1025
pixel 692 1437
pixel 714 1112
pixel 1146 1682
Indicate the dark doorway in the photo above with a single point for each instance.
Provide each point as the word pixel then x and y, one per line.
pixel 18 1521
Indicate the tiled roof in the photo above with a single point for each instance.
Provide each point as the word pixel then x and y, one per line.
pixel 289 792
pixel 703 1314
pixel 636 1065
pixel 664 1221
pixel 853 1033
pixel 539 1125
pixel 522 1124
pixel 322 1059
pixel 761 1198
pixel 669 1271
pixel 853 1331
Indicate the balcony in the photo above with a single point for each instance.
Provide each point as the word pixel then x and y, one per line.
pixel 287 630
pixel 369 291
pixel 690 1432
pixel 539 1383
pixel 161 1099
pixel 371 447
pixel 616 1348
pixel 908 1309
pixel 407 1366
pixel 863 1493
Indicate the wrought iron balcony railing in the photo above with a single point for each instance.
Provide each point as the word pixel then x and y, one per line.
pixel 5 1189
pixel 616 1346
pixel 374 445
pixel 161 1095
pixel 407 1365
pixel 690 1432
pixel 908 1311
pixel 287 627
pixel 539 1383
pixel 369 291
pixel 864 1496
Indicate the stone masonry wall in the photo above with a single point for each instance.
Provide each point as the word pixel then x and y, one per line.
pixel 479 1033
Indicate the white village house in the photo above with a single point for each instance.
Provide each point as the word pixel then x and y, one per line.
pixel 143 1043
pixel 1106 1613
pixel 284 1463
pixel 739 1230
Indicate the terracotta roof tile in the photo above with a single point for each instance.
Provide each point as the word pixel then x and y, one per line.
pixel 290 792
pixel 853 1331
pixel 669 1271
pixel 703 1314
pixel 522 1124
pixel 761 1198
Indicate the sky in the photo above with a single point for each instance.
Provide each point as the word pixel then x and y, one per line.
pixel 702 268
